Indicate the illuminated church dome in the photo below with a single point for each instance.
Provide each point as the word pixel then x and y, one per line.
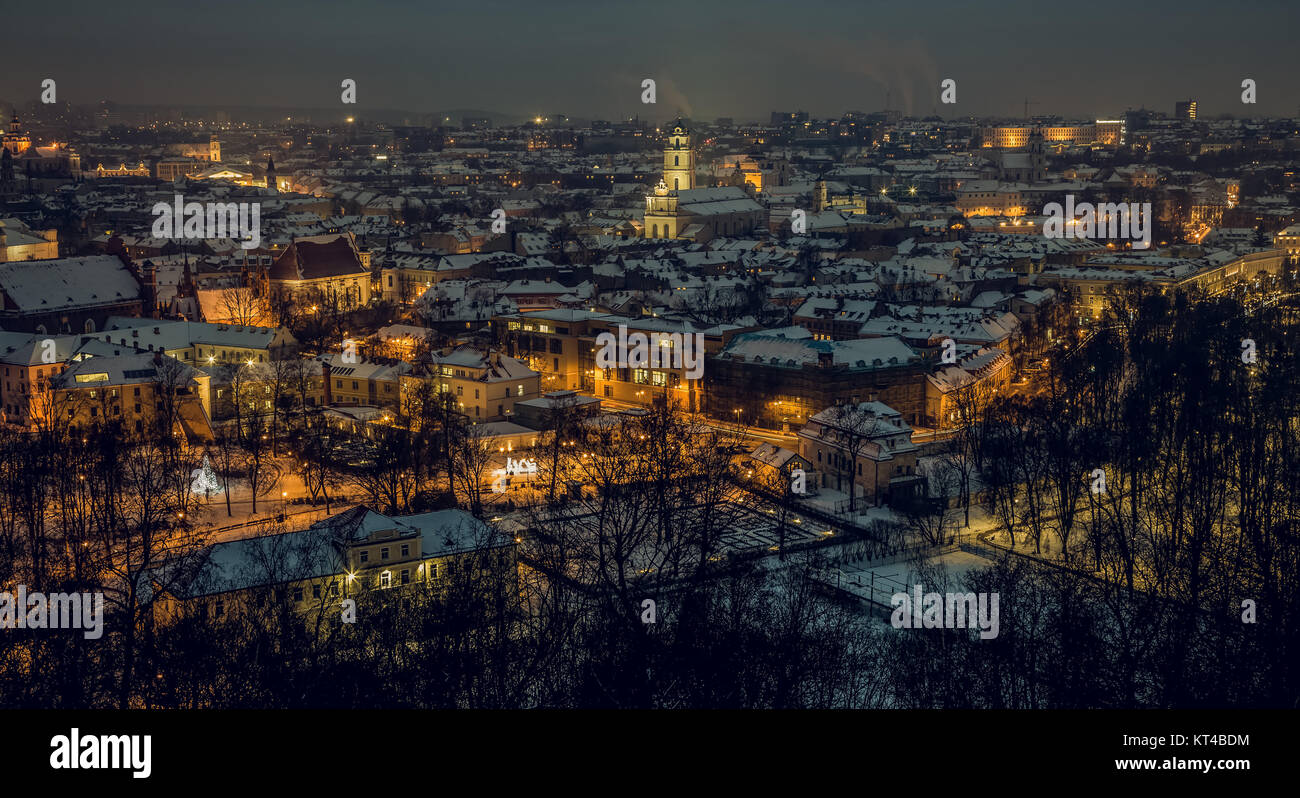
pixel 16 141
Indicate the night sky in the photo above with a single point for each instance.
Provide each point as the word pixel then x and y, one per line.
pixel 710 57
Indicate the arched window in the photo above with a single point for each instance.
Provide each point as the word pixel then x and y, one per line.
pixel 654 231
pixel 676 184
pixel 90 325
pixel 676 161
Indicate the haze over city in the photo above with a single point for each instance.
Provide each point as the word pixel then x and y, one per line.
pixel 734 59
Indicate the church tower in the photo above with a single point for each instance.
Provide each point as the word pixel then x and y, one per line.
pixel 270 174
pixel 16 142
pixel 214 149
pixel 819 195
pixel 1037 159
pixel 679 159
pixel 661 213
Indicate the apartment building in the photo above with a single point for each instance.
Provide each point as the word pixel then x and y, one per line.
pixel 484 385
pixel 146 394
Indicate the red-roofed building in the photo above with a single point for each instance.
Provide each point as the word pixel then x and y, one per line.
pixel 327 268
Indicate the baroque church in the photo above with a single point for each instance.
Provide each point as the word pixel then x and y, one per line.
pixel 677 209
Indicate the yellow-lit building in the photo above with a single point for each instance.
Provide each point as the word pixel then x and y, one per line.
pixel 358 554
pixel 990 198
pixel 135 391
pixel 1288 241
pixel 484 386
pixel 122 170
pixel 326 268
pixel 15 141
pixel 1017 136
pixel 679 159
pixel 19 242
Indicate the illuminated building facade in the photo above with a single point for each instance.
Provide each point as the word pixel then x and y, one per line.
pixel 15 141
pixel 679 159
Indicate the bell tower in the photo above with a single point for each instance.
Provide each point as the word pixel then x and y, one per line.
pixel 679 159
pixel 660 213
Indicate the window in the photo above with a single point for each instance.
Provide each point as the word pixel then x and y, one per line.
pixel 460 390
pixel 92 393
pixel 521 390
pixel 476 393
pixel 406 550
pixel 354 385
pixel 386 579
pixel 338 384
pixel 383 553
pixel 221 608
pixel 365 556
pixel 297 594
pixel 315 591
pixel 406 576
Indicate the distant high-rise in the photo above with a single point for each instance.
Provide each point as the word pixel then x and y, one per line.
pixel 1185 110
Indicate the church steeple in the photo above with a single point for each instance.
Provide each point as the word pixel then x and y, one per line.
pixel 679 158
pixel 270 173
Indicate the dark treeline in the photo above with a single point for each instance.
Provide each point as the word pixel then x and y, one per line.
pixel 1160 467
pixel 1128 596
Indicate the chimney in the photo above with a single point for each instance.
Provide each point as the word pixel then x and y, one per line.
pixel 157 358
pixel 825 359
pixel 325 372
